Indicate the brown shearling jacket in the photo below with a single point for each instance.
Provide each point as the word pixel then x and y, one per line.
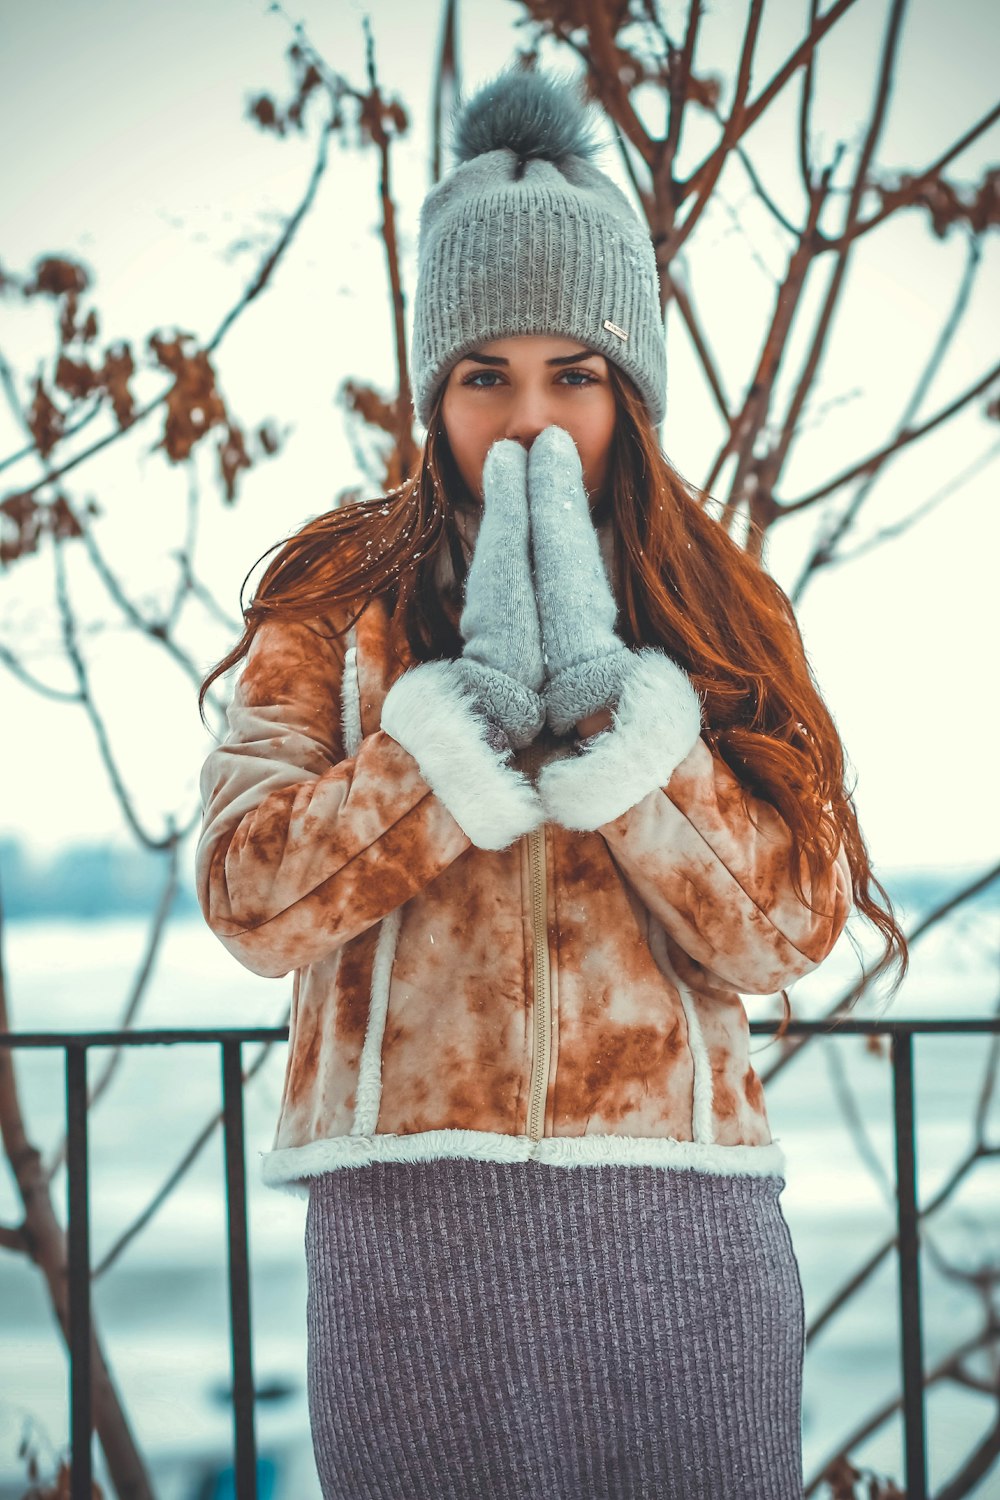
pixel 539 958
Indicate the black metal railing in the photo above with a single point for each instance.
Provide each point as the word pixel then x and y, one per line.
pixel 76 1045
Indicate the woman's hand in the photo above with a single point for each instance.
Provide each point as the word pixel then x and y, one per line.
pixel 593 724
pixel 586 662
pixel 499 624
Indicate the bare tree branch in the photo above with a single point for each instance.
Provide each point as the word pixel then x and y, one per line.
pixel 154 630
pixel 772 466
pixel 72 649
pixel 906 195
pixel 13 1238
pixel 708 174
pixel 793 1045
pixel 975 1467
pixel 678 291
pixel 874 461
pixel 17 669
pixel 805 111
pixel 680 74
pixel 258 284
pixel 446 82
pixel 825 550
pixel 156 1202
pixel 864 1430
pixel 46 1244
pixel 140 984
pixel 752 112
pixel 900 528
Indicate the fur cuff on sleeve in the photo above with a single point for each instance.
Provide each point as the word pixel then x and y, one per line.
pixel 655 723
pixel 429 712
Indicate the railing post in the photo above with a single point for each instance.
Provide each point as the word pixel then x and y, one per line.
pixel 245 1466
pixel 78 1237
pixel 915 1451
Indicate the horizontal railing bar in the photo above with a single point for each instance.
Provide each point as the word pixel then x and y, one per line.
pixel 181 1036
pixel 177 1037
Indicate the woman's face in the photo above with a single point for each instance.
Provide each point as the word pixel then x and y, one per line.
pixel 516 387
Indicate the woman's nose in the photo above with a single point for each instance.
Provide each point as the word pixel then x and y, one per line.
pixel 528 415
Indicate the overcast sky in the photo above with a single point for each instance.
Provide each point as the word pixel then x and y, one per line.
pixel 126 145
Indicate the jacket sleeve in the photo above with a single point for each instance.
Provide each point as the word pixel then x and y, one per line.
pixel 303 847
pixel 709 860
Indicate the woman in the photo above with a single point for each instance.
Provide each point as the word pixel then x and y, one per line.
pixel 527 780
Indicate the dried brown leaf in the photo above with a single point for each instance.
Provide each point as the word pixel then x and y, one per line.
pixel 67 318
pixel 62 521
pixel 263 109
pixel 28 520
pixel 268 439
pixel 233 457
pixel 26 516
pixel 45 421
pixel 845 1483
pixel 946 204
pixel 381 120
pixel 56 276
pixel 194 406
pixel 76 377
pixel 119 367
pixel 79 379
pixel 369 405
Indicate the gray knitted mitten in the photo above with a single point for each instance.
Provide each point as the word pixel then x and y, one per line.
pixel 502 658
pixel 585 660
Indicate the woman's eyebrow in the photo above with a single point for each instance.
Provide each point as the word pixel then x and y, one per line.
pixel 562 359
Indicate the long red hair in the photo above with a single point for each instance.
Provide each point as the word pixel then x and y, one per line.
pixel 683 584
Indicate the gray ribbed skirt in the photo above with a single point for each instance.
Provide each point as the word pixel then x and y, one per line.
pixel 493 1331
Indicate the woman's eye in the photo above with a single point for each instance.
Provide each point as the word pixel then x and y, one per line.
pixel 586 379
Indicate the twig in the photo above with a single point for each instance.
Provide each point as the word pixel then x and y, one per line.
pixel 975 1467
pixel 146 1215
pixel 904 196
pixel 679 292
pixel 12 1238
pixel 680 73
pixel 97 723
pixel 18 670
pixel 708 173
pixel 256 286
pixel 139 984
pixel 752 112
pixel 825 552
pixel 776 459
pixel 154 630
pixel 941 1371
pixel 46 1242
pixel 900 528
pixel 793 1045
pixel 874 461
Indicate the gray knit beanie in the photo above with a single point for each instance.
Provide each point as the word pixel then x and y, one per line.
pixel 526 236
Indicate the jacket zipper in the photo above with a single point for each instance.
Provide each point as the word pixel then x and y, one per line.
pixel 543 998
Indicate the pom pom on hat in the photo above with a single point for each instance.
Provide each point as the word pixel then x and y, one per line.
pixel 532 114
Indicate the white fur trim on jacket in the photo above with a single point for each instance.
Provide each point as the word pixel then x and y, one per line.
pixel 290 1167
pixel 654 724
pixel 428 712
